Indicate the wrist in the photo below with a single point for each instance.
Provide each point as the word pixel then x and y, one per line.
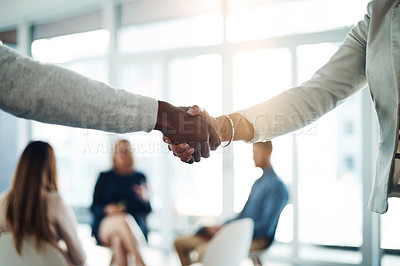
pixel 224 128
pixel 164 114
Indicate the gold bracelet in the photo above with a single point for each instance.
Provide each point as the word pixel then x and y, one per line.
pixel 233 132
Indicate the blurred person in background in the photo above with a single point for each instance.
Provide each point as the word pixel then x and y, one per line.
pixel 34 208
pixel 120 207
pixel 266 201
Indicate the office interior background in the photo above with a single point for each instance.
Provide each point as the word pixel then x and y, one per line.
pixel 223 55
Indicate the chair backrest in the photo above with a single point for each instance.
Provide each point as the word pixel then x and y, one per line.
pixel 230 245
pixel 48 255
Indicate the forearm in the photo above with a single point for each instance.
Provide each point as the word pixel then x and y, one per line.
pixel 342 76
pixel 56 95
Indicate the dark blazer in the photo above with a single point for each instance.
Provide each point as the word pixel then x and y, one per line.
pixel 114 188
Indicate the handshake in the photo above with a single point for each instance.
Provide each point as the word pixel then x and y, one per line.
pixel 191 133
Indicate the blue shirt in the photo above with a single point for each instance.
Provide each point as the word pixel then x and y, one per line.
pixel 266 201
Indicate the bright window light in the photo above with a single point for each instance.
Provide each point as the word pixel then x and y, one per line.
pixel 69 47
pixel 328 190
pixel 192 80
pixel 389 227
pixel 260 75
pixel 205 29
pixel 292 17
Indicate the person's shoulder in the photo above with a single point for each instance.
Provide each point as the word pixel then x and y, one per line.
pixel 381 3
pixel 55 203
pixel 53 197
pixel 274 179
pixel 139 175
pixel 3 196
pixel 380 6
pixel 3 223
pixel 106 174
pixel 271 175
pixel 58 209
pixel 280 186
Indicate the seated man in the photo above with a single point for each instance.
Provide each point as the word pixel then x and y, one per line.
pixel 266 201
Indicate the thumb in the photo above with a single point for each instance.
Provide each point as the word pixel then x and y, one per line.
pixel 195 110
pixel 167 140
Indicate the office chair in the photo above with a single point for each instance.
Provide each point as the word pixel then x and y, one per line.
pixel 48 255
pixel 230 245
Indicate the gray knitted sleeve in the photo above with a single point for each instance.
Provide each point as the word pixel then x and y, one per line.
pixel 52 94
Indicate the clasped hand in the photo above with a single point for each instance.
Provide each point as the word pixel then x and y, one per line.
pixel 191 134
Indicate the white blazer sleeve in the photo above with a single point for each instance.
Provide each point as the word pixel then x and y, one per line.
pixel 56 95
pixel 336 81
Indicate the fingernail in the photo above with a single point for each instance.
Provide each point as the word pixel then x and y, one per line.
pixel 190 111
pixel 167 141
pixel 191 150
pixel 186 159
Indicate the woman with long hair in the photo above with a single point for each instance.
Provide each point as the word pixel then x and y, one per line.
pixel 34 208
pixel 120 206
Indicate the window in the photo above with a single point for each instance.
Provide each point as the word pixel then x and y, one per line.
pixel 201 30
pixel 260 75
pixel 349 162
pixel 389 231
pixel 69 47
pixel 143 78
pixel 197 80
pixel 348 128
pixel 257 76
pixel 250 20
pixel 330 207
